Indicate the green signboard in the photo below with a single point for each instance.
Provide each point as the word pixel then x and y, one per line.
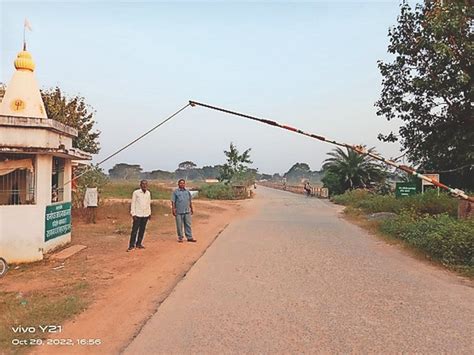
pixel 58 220
pixel 405 189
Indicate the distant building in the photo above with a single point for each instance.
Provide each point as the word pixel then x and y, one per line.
pixel 35 170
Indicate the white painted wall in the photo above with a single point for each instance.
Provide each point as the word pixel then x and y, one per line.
pixel 22 227
pixel 21 238
pixel 32 137
pixel 44 169
pixel 67 179
pixel 23 86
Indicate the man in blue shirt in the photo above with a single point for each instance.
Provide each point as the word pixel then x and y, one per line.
pixel 182 209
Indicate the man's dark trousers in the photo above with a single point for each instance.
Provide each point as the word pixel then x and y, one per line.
pixel 138 227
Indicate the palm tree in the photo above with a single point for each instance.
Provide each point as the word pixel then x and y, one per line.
pixel 352 170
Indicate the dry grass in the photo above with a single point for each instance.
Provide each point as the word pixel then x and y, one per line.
pixel 50 291
pixel 50 306
pixel 38 294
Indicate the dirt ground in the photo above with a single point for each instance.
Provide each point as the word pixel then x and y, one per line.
pixel 121 289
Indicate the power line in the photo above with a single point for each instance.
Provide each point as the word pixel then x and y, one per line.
pixel 131 143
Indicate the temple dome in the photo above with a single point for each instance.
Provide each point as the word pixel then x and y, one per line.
pixel 24 61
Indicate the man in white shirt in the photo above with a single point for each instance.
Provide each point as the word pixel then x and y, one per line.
pixel 141 212
pixel 91 201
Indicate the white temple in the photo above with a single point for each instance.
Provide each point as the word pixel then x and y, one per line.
pixel 35 170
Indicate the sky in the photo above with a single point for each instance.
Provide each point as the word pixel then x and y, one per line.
pixel 312 65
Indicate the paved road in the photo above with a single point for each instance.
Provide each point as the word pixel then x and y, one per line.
pixel 294 277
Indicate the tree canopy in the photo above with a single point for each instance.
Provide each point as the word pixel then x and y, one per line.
pixel 347 170
pixel 186 165
pixel 125 171
pixel 300 171
pixel 88 176
pixel 236 166
pixel 428 86
pixel 74 112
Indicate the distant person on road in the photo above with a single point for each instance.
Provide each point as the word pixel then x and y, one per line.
pixel 182 209
pixel 307 188
pixel 141 213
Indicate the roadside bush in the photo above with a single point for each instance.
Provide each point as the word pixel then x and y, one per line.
pixel 429 203
pixel 427 222
pixel 396 227
pixel 87 176
pixel 444 238
pixel 351 198
pixel 369 202
pixel 333 182
pixel 217 191
pixel 379 203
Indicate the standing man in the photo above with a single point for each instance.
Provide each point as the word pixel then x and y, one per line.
pixel 141 212
pixel 182 208
pixel 91 201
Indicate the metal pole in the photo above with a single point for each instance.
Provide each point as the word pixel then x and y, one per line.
pixel 357 148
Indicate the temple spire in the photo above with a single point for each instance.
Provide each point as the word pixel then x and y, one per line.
pixel 22 95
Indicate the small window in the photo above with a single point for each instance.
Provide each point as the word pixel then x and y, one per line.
pixel 57 181
pixel 17 179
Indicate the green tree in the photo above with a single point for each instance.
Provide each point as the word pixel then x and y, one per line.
pixel 189 174
pixel 158 175
pixel 334 183
pixel 187 170
pixel 298 172
pixel 236 165
pixel 92 176
pixel 211 172
pixel 349 170
pixel 187 165
pixel 276 177
pixel 248 177
pixel 125 172
pixel 74 112
pixel 429 85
